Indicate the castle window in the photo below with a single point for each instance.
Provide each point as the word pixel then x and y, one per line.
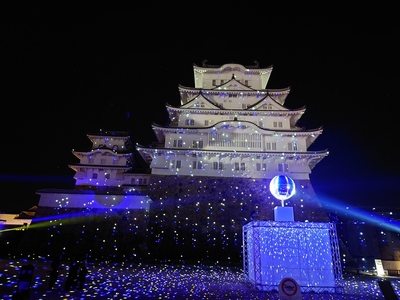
pixel 261 167
pixel 271 146
pixel 107 176
pixel 218 165
pixel 214 82
pixel 278 124
pixel 103 161
pixel 189 122
pixel 91 160
pixel 283 167
pixel 94 175
pixel 242 166
pixel 197 164
pixel 178 164
pixel 292 146
pixel 197 144
pixel 178 143
pixel 267 106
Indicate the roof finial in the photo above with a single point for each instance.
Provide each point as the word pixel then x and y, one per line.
pixel 204 62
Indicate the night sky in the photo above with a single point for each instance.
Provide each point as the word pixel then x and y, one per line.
pixel 72 70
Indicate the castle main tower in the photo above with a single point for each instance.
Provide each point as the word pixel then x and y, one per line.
pixel 216 158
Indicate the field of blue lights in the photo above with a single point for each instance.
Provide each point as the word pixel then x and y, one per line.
pixel 106 280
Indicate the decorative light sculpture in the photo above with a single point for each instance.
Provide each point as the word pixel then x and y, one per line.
pixel 282 187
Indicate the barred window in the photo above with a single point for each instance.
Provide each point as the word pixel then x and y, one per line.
pixel 197 144
pixel 189 122
pixel 283 167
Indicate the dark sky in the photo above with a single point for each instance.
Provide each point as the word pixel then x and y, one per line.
pixel 70 70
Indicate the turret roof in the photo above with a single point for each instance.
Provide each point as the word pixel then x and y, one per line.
pixel 256 66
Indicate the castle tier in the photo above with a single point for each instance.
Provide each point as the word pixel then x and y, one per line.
pixel 108 164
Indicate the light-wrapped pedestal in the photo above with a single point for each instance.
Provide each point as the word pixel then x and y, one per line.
pixel 307 252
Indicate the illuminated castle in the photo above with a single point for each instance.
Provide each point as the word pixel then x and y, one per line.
pixel 209 175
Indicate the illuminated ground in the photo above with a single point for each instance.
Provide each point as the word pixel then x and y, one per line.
pixel 107 280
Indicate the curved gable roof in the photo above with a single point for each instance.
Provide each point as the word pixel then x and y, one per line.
pixel 100 151
pixel 226 125
pixel 200 97
pixel 233 84
pixel 268 99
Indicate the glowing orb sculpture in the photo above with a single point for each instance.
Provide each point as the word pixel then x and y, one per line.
pixel 282 187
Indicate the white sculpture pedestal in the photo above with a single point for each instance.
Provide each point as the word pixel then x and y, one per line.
pixel 283 213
